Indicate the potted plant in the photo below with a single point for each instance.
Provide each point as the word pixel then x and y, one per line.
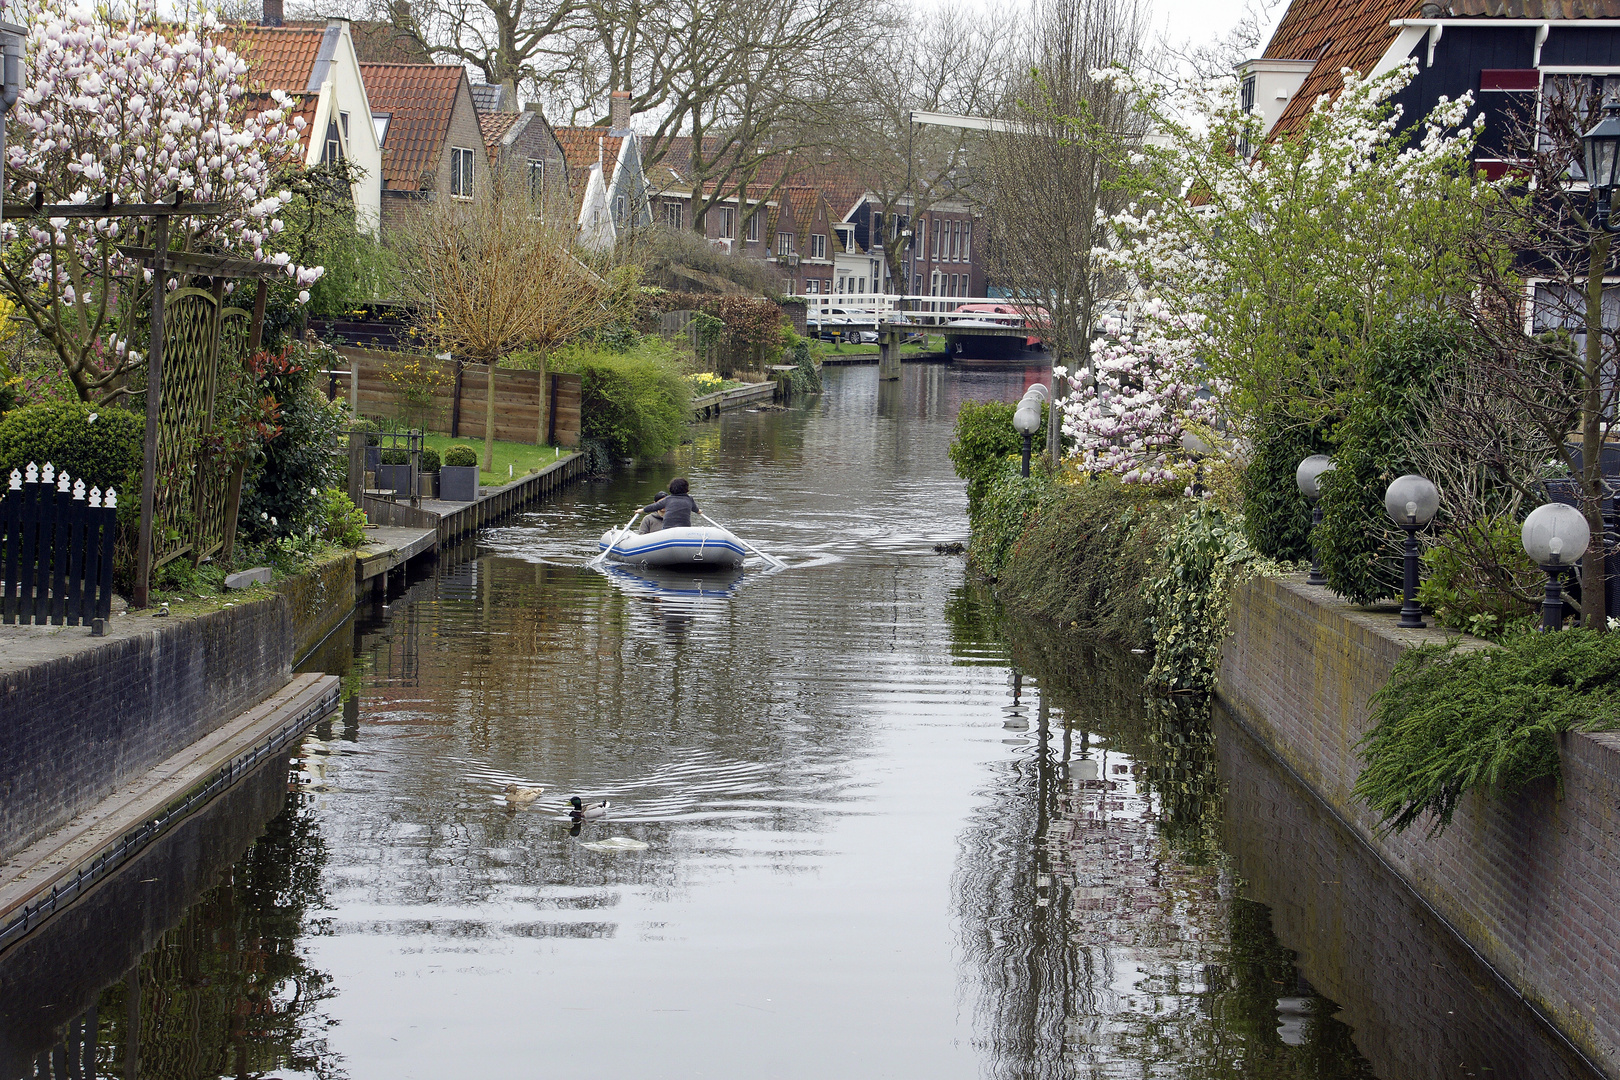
pixel 458 476
pixel 427 473
pixel 394 474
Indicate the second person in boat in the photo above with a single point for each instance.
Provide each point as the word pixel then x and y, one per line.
pixel 677 507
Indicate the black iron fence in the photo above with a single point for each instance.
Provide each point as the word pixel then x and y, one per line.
pixel 56 548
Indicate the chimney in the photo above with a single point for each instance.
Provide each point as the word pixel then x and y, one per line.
pixel 272 13
pixel 618 109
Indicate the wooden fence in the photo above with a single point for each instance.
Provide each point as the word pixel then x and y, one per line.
pixel 57 545
pixel 530 406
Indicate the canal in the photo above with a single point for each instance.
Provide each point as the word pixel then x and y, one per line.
pixel 861 825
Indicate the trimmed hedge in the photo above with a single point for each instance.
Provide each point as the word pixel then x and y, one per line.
pixel 461 457
pixel 1276 517
pixel 99 444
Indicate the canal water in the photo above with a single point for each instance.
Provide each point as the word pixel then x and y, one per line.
pixel 861 825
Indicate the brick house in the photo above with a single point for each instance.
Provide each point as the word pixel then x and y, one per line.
pixel 433 145
pixel 524 149
pixel 317 66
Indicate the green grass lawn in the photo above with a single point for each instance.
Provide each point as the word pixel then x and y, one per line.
pixel 934 343
pixel 519 457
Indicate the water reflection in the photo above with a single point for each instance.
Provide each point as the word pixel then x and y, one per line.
pixel 886 832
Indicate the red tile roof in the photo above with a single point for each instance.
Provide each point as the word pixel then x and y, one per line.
pixel 279 57
pixel 581 147
pixel 420 98
pixel 1535 9
pixel 495 126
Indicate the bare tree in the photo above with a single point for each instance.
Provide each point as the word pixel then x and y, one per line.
pixel 945 61
pixel 1051 173
pixel 1557 360
pixel 495 275
pixel 528 43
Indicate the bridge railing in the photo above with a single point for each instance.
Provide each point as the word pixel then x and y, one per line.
pixel 869 309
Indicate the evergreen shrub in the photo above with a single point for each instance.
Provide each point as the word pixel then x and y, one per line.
pixel 100 444
pixel 461 456
pixel 1451 721
pixel 1276 517
pixel 428 461
pixel 984 439
pixel 1356 540
pixel 281 492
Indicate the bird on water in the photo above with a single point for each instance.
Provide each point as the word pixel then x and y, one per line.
pixel 581 812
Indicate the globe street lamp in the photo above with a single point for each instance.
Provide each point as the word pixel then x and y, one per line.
pixel 1555 536
pixel 1026 421
pixel 1411 502
pixel 1308 477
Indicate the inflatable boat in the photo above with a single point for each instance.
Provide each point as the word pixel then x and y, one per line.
pixel 698 547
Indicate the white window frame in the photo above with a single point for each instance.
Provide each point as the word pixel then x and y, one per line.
pixel 728 223
pixel 818 245
pixel 463 178
pixel 784 244
pixel 674 214
pixel 812 286
pixel 967 241
pixel 537 172
pixel 751 227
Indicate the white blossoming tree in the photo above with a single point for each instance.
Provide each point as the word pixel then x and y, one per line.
pixel 1267 268
pixel 144 110
pixel 1145 392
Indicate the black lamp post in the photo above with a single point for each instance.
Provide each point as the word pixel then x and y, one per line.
pixel 1308 477
pixel 1602 145
pixel 1555 536
pixel 1411 502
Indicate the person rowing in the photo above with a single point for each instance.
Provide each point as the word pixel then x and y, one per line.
pixel 677 507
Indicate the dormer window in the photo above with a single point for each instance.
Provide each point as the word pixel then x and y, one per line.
pixel 334 145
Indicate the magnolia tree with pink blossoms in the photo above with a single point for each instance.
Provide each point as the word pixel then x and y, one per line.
pixel 1142 394
pixel 144 110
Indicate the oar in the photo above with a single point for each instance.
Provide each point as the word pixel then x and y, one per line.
pixel 620 535
pixel 770 559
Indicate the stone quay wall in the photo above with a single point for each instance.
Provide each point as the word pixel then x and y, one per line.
pixel 1531 883
pixel 76 726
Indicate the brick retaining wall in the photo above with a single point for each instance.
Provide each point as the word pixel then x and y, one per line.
pixel 78 726
pixel 1531 883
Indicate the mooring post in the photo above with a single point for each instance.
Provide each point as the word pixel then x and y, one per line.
pixel 889 355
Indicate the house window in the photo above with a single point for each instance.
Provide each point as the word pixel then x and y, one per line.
pixel 1580 95
pixel 877 229
pixel 818 245
pixel 537 179
pixel 812 286
pixel 826 284
pixel 862 283
pixel 673 214
pixel 784 243
pixel 934 246
pixel 967 241
pixel 728 222
pixel 618 210
pixel 1248 93
pixel 841 285
pixel 790 287
pixel 933 280
pixel 956 241
pixel 876 280
pixel 343 118
pixel 461 172
pixel 334 146
pixel 752 227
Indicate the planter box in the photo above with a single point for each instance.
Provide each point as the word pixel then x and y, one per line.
pixel 427 485
pixel 458 483
pixel 395 478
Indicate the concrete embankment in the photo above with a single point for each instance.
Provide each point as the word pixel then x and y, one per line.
pixel 1531 883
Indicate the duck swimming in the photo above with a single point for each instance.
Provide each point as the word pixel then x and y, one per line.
pixel 522 796
pixel 581 812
